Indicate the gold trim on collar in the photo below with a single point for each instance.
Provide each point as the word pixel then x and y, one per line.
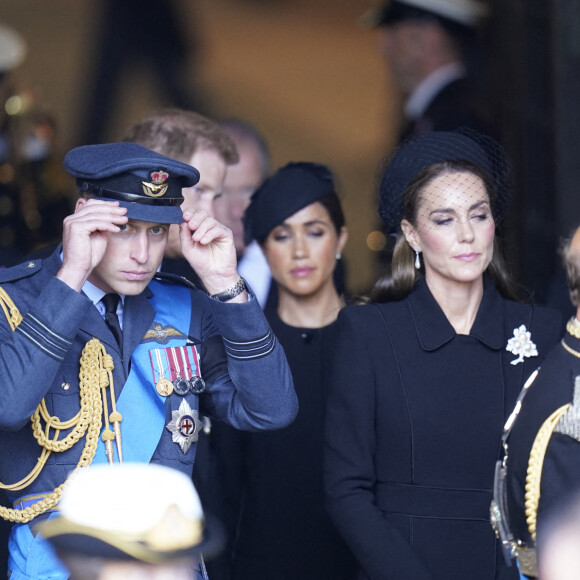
pixel 571 350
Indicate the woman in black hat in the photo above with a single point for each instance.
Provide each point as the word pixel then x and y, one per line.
pixel 425 377
pixel 283 529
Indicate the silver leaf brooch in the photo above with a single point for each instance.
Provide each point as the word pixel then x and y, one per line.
pixel 521 345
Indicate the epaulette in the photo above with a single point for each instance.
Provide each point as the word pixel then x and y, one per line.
pixel 23 270
pixel 175 279
pixel 569 424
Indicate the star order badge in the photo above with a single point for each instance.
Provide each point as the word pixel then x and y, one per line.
pixel 185 426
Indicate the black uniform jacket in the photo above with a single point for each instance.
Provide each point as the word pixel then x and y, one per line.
pixel 552 388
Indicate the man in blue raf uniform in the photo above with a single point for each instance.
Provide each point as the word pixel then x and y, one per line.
pixel 105 360
pixel 542 441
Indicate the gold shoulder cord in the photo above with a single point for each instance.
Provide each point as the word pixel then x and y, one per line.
pixel 96 368
pixel 535 465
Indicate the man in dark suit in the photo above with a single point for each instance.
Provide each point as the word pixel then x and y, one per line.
pixel 542 439
pixel 429 47
pixel 94 335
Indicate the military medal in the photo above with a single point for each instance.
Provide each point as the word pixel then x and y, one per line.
pixel 163 385
pixel 184 365
pixel 180 383
pixel 185 426
pixel 196 385
pixel 181 386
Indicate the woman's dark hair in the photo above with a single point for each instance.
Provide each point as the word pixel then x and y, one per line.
pixel 402 275
pixel 331 203
pixel 333 206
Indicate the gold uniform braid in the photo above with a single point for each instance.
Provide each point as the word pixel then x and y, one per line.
pixel 535 465
pixel 96 368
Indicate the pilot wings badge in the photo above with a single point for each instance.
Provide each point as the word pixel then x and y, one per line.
pixel 162 334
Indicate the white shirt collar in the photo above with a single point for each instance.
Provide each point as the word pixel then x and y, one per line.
pixel 429 87
pixel 95 294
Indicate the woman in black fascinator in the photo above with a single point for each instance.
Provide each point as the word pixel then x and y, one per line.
pixel 425 376
pixel 283 531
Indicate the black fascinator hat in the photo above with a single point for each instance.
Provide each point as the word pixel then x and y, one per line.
pixel 290 189
pixel 415 155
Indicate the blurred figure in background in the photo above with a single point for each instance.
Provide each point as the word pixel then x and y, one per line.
pixel 242 180
pixel 431 51
pixel 131 521
pixel 34 195
pixel 283 531
pixel 12 53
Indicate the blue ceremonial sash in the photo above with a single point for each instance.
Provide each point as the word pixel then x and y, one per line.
pixel 142 407
pixel 32 558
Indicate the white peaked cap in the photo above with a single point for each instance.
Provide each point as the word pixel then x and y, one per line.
pixel 468 12
pixel 465 12
pixel 129 498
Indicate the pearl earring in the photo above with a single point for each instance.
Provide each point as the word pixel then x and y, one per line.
pixel 417 260
pixel 338 255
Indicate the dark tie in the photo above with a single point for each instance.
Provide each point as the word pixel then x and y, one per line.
pixel 111 301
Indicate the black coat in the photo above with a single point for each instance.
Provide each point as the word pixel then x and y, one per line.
pixel 283 531
pixel 413 431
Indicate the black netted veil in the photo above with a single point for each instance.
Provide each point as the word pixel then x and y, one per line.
pixel 415 155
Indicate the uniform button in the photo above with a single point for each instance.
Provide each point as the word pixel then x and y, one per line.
pixel 31 264
pixel 65 386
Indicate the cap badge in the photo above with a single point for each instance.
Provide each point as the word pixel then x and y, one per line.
pixel 185 426
pixel 158 187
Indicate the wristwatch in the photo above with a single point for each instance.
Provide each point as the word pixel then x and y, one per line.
pixel 230 293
